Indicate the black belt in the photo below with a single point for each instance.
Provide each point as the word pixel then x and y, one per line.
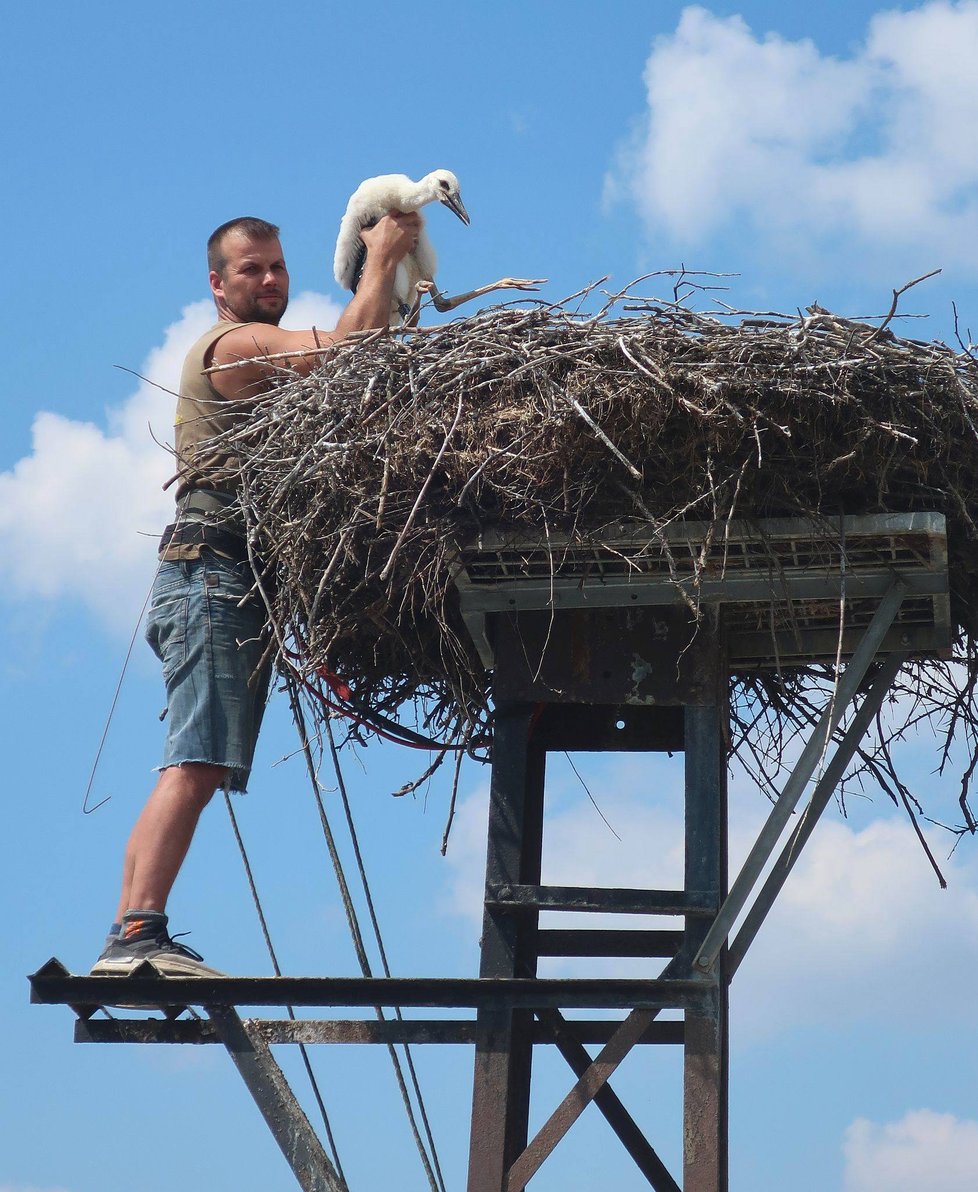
pixel 211 502
pixel 194 533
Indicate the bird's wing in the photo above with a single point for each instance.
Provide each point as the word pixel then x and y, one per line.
pixel 351 252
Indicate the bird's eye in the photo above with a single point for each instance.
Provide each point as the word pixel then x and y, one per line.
pixel 443 184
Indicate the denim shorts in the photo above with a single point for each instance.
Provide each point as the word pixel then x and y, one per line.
pixel 211 650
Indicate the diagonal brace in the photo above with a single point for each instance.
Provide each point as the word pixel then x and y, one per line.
pixel 824 788
pixel 617 1116
pixel 283 1113
pixel 592 1080
pixel 846 690
pixel 580 1096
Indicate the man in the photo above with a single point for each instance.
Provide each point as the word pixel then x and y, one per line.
pixel 210 644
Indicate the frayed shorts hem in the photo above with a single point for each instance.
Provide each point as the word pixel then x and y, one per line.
pixel 235 783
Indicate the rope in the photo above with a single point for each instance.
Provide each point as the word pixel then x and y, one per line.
pixel 278 972
pixel 437 1184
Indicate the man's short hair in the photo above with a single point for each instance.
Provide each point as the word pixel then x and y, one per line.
pixel 250 225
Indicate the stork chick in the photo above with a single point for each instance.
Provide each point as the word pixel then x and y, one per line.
pixel 416 272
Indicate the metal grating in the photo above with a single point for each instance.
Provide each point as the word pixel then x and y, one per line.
pixel 780 583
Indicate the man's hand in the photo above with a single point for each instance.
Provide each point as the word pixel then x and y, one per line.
pixel 388 242
pixel 392 237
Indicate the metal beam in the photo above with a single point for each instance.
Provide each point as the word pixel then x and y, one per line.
pixel 314 1031
pixel 282 1112
pixel 503 1052
pixel 846 690
pixel 552 941
pixel 705 1054
pixel 706 1046
pixel 86 994
pixel 614 728
pixel 824 788
pixel 603 901
pixel 638 592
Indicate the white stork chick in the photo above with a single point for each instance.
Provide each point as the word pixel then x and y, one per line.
pixel 416 272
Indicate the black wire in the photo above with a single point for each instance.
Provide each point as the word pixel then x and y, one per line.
pixel 437 1185
pixel 86 810
pixel 341 784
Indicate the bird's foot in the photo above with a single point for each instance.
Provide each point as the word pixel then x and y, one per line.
pixel 519 283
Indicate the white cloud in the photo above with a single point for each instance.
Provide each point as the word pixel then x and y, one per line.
pixel 310 309
pixel 807 148
pixel 922 1150
pixel 80 516
pixel 862 904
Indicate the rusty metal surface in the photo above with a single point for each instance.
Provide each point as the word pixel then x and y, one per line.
pixel 144 1030
pixel 283 1114
pixel 603 900
pixel 705 1104
pixel 607 656
pixel 517 992
pixel 705 1069
pixel 346 1031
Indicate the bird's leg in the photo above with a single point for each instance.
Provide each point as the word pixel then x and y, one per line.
pixel 443 304
pixel 411 318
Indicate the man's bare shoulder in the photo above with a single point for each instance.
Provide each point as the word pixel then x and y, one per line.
pixel 255 340
pixel 245 341
pixel 266 349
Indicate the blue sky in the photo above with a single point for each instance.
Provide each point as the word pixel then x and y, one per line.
pixel 820 152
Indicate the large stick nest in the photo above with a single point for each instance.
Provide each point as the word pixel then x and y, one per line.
pixel 359 479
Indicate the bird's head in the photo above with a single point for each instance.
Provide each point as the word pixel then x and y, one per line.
pixel 447 191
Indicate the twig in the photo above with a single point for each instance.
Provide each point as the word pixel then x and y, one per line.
pixel 896 298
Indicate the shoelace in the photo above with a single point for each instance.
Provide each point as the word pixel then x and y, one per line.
pixel 170 942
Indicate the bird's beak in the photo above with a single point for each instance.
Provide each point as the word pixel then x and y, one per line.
pixel 454 203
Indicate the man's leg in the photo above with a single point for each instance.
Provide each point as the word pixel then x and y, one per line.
pixel 207 628
pixel 157 847
pixel 162 834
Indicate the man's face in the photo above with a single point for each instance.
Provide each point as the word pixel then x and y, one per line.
pixel 254 284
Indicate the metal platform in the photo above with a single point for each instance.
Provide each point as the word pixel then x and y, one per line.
pixel 594 648
pixel 779 583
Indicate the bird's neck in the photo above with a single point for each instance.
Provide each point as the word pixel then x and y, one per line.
pixel 422 192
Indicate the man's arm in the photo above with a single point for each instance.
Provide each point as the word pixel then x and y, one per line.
pixel 388 242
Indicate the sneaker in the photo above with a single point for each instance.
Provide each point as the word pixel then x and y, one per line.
pixel 145 937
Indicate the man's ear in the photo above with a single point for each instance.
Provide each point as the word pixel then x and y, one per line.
pixel 216 283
